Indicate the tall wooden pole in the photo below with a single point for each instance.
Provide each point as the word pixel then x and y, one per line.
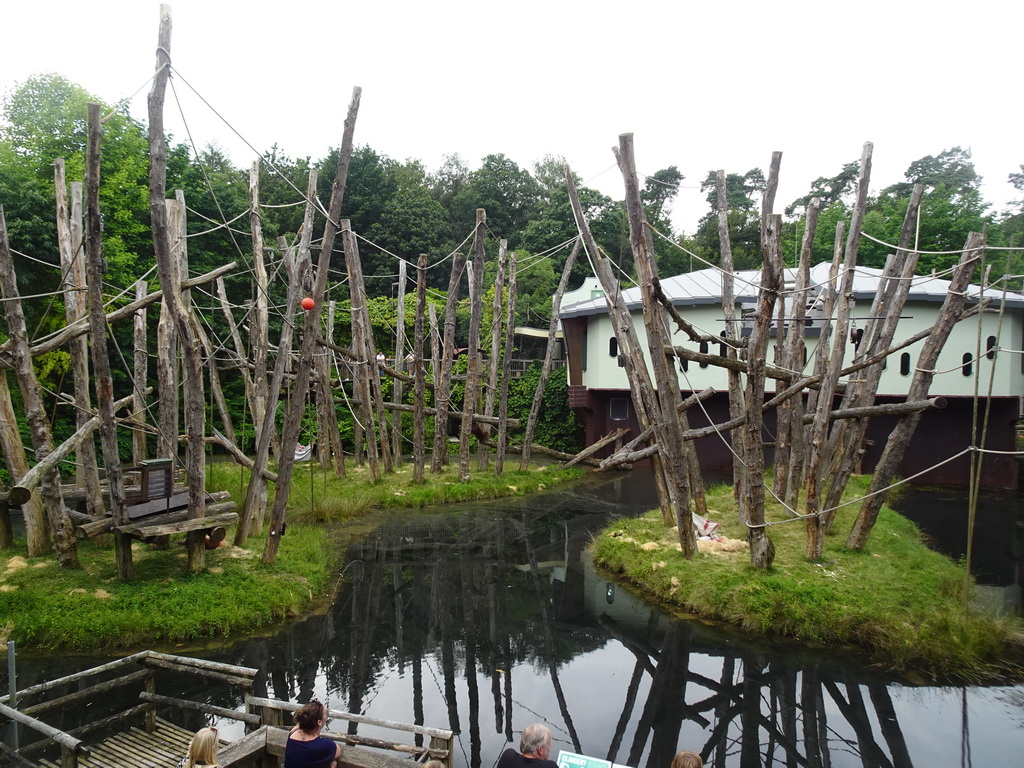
pixel 170 279
pixel 396 423
pixel 140 365
pixel 13 451
pixel 443 374
pixel 418 437
pixel 72 262
pixel 506 368
pixel 472 394
pixel 492 371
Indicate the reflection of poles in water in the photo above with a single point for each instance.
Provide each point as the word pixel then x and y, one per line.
pixel 722 709
pixel 673 668
pixel 856 715
pixel 627 710
pixel 965 742
pixel 490 575
pixel 448 658
pixel 365 609
pixel 810 700
pixel 784 709
pixel 396 586
pixel 750 711
pixel 469 619
pixel 889 725
pixel 549 644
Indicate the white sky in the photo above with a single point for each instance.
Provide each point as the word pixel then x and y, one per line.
pixel 700 85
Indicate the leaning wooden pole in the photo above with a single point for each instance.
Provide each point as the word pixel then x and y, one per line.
pixel 168 269
pixel 13 451
pixel 669 424
pixel 259 321
pixel 549 354
pixel 35 411
pixel 310 335
pixel 899 438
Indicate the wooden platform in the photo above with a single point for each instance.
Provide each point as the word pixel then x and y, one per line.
pixel 135 748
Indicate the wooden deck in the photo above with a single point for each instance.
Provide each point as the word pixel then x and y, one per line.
pixel 135 748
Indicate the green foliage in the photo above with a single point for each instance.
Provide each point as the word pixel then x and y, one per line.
pixel 898 599
pixel 557 425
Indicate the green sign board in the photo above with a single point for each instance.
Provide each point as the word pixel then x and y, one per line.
pixel 572 760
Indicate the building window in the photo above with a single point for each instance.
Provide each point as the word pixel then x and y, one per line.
pixel 618 408
pixel 613 347
pixel 905 364
pixel 703 351
pixel 990 345
pixel 968 368
pixel 684 364
pixel 722 351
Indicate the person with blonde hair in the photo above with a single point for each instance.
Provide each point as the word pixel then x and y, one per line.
pixel 534 750
pixel 305 747
pixel 202 750
pixel 687 759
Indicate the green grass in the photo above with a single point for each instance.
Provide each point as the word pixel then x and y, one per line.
pixel 45 607
pixel 898 600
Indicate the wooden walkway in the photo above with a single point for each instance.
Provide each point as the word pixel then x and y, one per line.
pixel 135 748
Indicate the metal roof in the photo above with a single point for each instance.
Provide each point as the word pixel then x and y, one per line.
pixel 705 287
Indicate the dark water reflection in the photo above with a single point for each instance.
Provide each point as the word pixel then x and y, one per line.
pixel 487 617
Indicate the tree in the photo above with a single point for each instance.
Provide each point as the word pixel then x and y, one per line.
pixel 744 219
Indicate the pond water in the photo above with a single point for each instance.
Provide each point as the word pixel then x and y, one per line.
pixel 485 618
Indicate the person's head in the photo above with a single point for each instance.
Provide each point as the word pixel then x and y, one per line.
pixel 433 764
pixel 311 717
pixel 687 759
pixel 203 748
pixel 536 740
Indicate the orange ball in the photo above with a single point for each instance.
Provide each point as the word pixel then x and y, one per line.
pixel 308 303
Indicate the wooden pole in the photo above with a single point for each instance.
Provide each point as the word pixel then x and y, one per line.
pixel 73 270
pixel 924 373
pixel 817 523
pixel 669 425
pixel 38 543
pixel 549 353
pixel 506 368
pixel 362 343
pixel 310 334
pixel 495 360
pixel 443 375
pixel 169 270
pixel 140 365
pixel 337 448
pixel 396 420
pixel 418 436
pixel 473 374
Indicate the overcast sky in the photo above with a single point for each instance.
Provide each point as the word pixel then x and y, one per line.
pixel 700 85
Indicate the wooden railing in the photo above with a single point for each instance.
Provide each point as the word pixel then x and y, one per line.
pixel 440 747
pixel 262 714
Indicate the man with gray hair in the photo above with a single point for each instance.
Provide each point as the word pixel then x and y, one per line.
pixel 534 749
